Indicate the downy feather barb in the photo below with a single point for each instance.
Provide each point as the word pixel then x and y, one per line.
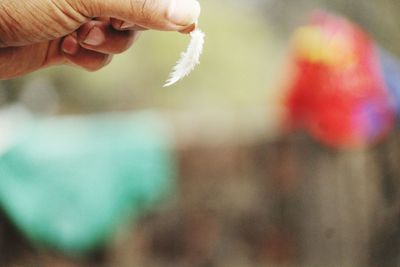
pixel 189 59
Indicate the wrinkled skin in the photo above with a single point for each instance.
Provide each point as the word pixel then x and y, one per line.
pixel 39 33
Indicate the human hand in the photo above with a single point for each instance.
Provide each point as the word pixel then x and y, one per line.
pixel 39 33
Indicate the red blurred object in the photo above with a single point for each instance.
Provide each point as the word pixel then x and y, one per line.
pixel 336 90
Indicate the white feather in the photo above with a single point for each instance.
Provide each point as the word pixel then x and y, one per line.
pixel 189 59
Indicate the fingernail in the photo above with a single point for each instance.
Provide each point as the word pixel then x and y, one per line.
pixel 70 45
pixel 127 25
pixel 189 29
pixel 184 12
pixel 95 37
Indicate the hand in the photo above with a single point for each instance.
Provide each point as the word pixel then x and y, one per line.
pixel 39 33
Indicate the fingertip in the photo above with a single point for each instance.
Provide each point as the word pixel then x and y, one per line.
pixel 95 66
pixel 184 12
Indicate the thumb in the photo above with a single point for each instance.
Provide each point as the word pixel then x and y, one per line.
pixel 169 15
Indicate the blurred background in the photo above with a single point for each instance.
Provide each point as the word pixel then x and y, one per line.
pixel 207 172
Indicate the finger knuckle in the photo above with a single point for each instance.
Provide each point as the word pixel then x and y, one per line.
pixel 148 9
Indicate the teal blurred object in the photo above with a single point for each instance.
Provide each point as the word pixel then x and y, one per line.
pixel 68 183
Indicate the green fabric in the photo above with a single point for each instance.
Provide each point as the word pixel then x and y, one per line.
pixel 68 183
